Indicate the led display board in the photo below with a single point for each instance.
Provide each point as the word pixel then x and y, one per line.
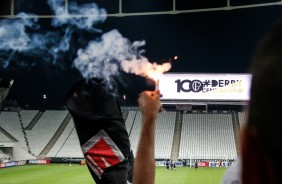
pixel 227 87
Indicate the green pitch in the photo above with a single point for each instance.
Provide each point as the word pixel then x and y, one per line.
pixel 63 173
pixel 184 175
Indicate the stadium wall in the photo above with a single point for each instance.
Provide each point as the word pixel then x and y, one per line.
pixel 24 162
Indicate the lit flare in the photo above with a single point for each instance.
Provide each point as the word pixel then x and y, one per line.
pixel 156 72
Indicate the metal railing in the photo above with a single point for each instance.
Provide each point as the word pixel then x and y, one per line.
pixel 173 10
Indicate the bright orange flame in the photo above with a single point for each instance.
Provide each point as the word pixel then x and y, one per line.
pixel 157 70
pixel 154 75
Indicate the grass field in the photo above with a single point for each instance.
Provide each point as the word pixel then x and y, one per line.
pixel 65 174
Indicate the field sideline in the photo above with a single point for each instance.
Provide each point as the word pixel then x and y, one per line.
pixel 63 173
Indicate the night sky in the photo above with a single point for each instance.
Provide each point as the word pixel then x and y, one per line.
pixel 205 42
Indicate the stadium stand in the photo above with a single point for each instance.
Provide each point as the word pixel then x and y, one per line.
pixel 9 121
pixel 135 131
pixel 241 117
pixel 129 121
pixel 4 138
pixel 207 136
pixel 44 129
pixel 202 135
pixel 67 145
pixel 164 134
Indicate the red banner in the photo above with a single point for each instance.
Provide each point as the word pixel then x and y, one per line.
pixel 203 164
pixel 2 165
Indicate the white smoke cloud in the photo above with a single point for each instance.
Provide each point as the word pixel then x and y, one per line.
pixel 103 57
pixel 13 34
pixel 24 36
pixel 91 15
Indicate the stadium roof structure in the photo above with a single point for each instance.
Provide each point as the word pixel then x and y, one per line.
pixel 124 8
pixel 134 8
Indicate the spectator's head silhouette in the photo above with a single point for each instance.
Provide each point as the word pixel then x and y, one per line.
pixel 261 136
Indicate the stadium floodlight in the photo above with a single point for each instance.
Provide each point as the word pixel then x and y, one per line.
pixel 4 90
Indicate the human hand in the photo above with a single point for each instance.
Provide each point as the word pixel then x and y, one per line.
pixel 149 103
